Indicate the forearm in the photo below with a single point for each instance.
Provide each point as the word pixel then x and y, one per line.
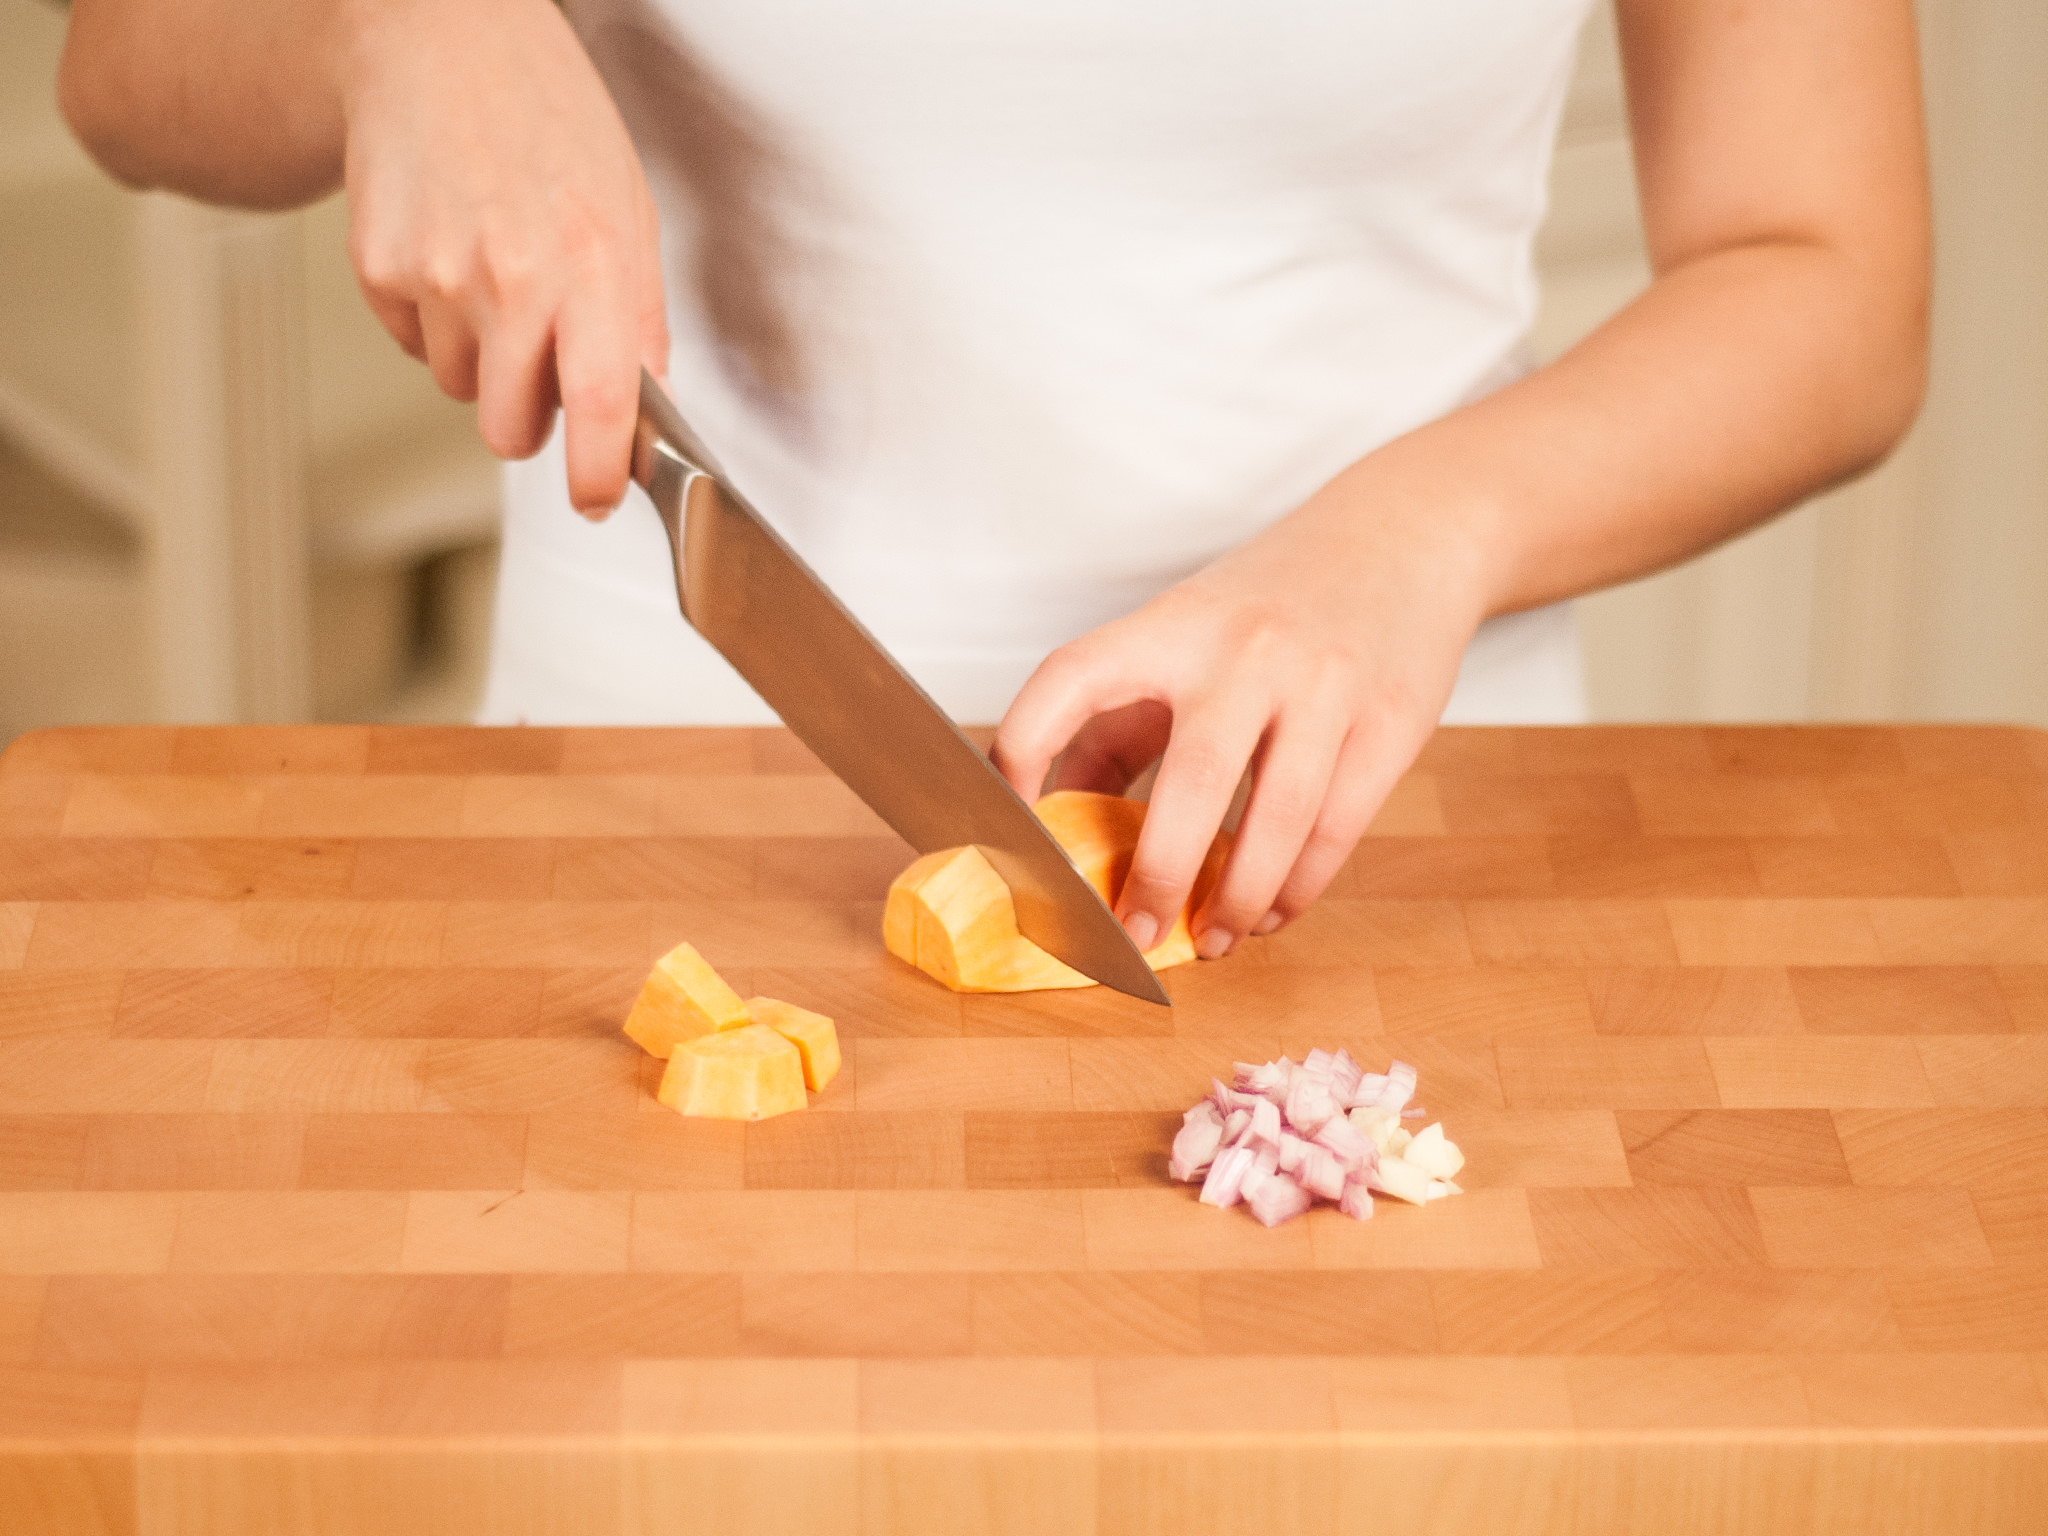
pixel 232 101
pixel 246 102
pixel 1742 381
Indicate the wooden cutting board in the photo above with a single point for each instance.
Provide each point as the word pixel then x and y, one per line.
pixel 331 1198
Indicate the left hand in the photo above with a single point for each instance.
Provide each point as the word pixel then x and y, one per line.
pixel 1781 347
pixel 1320 655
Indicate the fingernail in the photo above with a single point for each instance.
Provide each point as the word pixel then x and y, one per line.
pixel 1214 944
pixel 1142 929
pixel 1268 924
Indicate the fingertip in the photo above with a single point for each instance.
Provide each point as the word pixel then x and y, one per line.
pixel 597 368
pixel 1214 943
pixel 596 508
pixel 1272 922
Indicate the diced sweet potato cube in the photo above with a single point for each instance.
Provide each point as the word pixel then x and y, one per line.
pixel 816 1041
pixel 950 915
pixel 747 1073
pixel 682 999
pixel 961 928
pixel 899 915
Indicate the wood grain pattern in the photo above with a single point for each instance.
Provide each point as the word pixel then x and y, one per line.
pixel 330 1196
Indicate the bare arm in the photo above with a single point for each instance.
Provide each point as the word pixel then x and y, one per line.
pixel 227 102
pixel 499 223
pixel 1780 348
pixel 1783 344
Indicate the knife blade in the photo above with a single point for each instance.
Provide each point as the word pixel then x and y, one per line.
pixel 748 593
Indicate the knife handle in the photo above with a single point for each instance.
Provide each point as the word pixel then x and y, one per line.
pixel 661 436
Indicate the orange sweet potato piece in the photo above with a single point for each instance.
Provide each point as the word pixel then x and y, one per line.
pixel 747 1073
pixel 950 915
pixel 682 999
pixel 816 1041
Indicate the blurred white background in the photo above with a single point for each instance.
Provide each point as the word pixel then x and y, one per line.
pixel 225 495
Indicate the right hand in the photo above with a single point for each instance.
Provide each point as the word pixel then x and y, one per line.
pixel 501 226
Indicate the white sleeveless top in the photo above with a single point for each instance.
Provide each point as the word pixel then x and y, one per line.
pixel 1085 293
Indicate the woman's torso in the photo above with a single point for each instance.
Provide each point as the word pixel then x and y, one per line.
pixel 1012 315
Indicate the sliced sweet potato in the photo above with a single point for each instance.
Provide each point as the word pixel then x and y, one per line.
pixel 950 915
pixel 816 1041
pixel 747 1073
pixel 682 999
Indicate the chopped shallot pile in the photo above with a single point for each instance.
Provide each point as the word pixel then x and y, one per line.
pixel 1283 1133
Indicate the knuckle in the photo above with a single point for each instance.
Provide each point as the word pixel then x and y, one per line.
pixel 373 248
pixel 1235 904
pixel 1255 630
pixel 511 274
pixel 1295 898
pixel 588 235
pixel 1008 758
pixel 1289 805
pixel 445 275
pixel 380 275
pixel 599 397
pixel 1314 868
pixel 380 266
pixel 1070 663
pixel 1328 846
pixel 1155 885
pixel 1204 767
pixel 1015 745
pixel 1326 681
pixel 581 238
pixel 507 436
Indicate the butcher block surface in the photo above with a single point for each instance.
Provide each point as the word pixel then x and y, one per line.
pixel 332 1199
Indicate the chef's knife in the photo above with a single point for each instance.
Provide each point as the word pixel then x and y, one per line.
pixel 746 592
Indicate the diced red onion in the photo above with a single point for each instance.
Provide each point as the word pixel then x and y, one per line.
pixel 1400 1086
pixel 1344 1139
pixel 1235 1125
pixel 1345 1076
pixel 1321 1173
pixel 1194 1149
pixel 1226 1177
pixel 1309 1103
pixel 1292 1149
pixel 1357 1200
pixel 1228 1099
pixel 1265 1166
pixel 1265 1127
pixel 1279 1137
pixel 1279 1199
pixel 1269 1080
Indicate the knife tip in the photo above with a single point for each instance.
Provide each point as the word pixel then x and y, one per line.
pixel 1150 990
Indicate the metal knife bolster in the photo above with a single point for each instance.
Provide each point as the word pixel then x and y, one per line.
pixel 761 607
